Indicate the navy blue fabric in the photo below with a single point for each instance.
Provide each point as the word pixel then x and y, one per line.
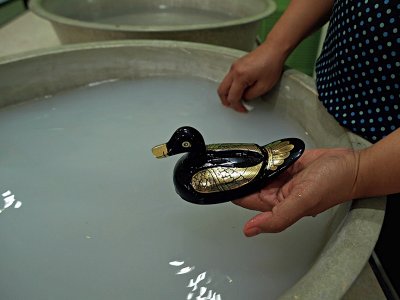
pixel 358 71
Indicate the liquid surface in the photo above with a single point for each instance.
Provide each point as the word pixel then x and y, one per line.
pixel 89 213
pixel 166 16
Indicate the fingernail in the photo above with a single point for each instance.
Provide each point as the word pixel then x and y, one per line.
pixel 253 231
pixel 241 110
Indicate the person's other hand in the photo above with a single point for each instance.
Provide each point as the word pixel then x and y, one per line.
pixel 320 179
pixel 251 76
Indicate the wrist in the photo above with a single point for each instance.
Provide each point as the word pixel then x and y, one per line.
pixel 368 177
pixel 280 45
pixel 358 180
pixel 275 51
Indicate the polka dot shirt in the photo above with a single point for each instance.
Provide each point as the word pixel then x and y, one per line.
pixel 358 71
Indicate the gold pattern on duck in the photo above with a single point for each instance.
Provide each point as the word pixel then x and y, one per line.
pixel 239 147
pixel 277 153
pixel 220 179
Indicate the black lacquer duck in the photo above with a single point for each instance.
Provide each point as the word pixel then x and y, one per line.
pixel 216 173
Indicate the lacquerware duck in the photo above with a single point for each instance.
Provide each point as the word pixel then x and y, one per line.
pixel 216 173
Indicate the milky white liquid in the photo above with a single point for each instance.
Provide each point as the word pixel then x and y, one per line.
pixel 100 218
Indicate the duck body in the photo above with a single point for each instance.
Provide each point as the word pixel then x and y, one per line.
pixel 216 173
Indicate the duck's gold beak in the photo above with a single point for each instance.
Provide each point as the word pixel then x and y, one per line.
pixel 160 151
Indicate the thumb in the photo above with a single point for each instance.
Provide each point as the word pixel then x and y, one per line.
pixel 277 220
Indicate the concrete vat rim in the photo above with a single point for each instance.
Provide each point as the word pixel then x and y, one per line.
pixel 121 43
pixel 36 7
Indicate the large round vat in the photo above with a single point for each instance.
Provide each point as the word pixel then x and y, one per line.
pixel 232 23
pixel 88 213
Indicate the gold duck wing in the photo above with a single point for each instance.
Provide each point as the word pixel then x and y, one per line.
pixel 277 153
pixel 233 146
pixel 219 179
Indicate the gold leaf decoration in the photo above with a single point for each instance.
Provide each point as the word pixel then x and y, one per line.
pixel 220 179
pixel 277 153
pixel 239 147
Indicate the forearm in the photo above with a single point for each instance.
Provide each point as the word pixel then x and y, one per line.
pixel 379 168
pixel 300 19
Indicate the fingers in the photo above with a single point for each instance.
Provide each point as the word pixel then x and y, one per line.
pixel 254 91
pixel 254 202
pixel 233 87
pixel 282 215
pixel 268 197
pixel 223 89
pixel 230 92
pixel 234 97
pixel 268 222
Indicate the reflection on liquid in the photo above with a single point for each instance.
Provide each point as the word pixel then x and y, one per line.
pixel 185 270
pixel 96 83
pixel 9 200
pixel 197 284
pixel 176 263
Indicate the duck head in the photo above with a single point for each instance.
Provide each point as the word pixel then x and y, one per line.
pixel 184 139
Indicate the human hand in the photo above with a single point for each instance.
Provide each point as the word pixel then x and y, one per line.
pixel 251 76
pixel 320 179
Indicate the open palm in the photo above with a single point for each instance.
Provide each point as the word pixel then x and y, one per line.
pixel 320 179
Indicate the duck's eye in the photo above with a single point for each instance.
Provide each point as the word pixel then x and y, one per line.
pixel 186 145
